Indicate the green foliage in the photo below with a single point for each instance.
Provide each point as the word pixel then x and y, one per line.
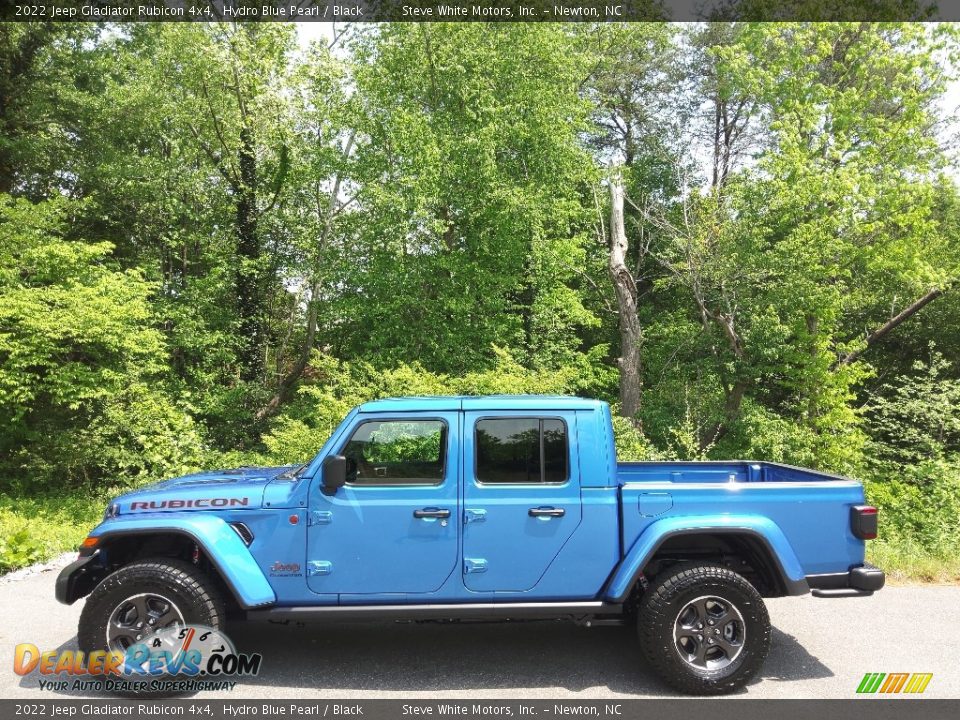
pixel 338 386
pixel 919 505
pixel 140 435
pixel 916 418
pixel 913 469
pixel 836 448
pixel 473 230
pixel 270 234
pixel 33 529
pixel 72 325
pixel 631 444
pixel 76 349
pixel 20 547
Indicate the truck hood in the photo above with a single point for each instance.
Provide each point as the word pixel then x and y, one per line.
pixel 237 489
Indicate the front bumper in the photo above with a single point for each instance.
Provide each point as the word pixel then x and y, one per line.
pixel 856 582
pixel 78 579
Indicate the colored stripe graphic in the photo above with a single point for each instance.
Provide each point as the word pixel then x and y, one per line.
pixel 870 682
pixel 918 682
pixel 914 683
pixel 894 682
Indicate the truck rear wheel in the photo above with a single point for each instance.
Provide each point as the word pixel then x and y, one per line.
pixel 704 629
pixel 140 599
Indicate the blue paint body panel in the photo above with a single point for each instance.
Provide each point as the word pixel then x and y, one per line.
pixel 215 537
pixel 363 545
pixel 515 549
pixel 370 536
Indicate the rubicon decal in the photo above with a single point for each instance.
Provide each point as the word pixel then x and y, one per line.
pixel 183 504
pixel 887 683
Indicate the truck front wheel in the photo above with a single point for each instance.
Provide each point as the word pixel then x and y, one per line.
pixel 703 628
pixel 142 598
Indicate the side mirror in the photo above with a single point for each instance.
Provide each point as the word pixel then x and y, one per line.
pixel 334 472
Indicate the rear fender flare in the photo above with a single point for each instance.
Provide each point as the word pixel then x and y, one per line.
pixel 219 543
pixel 767 532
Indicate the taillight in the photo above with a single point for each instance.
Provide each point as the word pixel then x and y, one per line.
pixel 863 521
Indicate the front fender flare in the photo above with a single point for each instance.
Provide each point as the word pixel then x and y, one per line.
pixel 767 532
pixel 218 541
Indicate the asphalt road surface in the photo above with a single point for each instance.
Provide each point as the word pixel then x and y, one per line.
pixel 821 649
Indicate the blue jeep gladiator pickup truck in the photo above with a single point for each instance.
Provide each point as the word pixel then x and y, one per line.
pixel 482 508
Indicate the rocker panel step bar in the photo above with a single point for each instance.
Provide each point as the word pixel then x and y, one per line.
pixel 460 611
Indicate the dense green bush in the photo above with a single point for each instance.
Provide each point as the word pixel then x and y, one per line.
pixel 919 529
pixel 79 360
pixel 36 528
pixel 912 469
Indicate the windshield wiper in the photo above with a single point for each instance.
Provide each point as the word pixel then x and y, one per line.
pixel 292 472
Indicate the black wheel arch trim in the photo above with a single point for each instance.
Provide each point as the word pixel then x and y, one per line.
pixel 69 584
pixel 786 585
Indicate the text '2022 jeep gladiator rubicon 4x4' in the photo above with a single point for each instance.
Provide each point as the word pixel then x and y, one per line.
pixel 490 508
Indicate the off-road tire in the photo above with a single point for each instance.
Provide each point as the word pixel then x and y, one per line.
pixel 195 595
pixel 658 615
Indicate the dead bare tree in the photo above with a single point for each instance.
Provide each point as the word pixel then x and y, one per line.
pixel 626 289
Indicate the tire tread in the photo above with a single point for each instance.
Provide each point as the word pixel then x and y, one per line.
pixel 657 613
pixel 185 578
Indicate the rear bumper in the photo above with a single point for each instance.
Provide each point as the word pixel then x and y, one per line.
pixel 857 581
pixel 77 579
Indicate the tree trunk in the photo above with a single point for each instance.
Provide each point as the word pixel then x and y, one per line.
pixel 732 401
pixel 289 382
pixel 249 272
pixel 626 289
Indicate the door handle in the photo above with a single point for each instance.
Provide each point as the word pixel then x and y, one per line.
pixel 546 512
pixel 431 512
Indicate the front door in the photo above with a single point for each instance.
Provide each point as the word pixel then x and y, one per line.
pixel 521 497
pixel 393 527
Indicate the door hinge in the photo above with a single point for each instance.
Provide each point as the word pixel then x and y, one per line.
pixel 319 567
pixel 474 565
pixel 472 515
pixel 321 517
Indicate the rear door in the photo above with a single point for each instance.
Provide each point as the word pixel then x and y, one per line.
pixel 521 496
pixel 393 527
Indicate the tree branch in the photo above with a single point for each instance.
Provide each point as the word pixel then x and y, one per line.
pixel 892 324
pixel 217 161
pixel 289 382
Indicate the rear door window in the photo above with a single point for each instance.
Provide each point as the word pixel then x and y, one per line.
pixel 521 450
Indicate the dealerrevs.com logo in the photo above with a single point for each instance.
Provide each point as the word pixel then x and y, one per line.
pixel 178 659
pixel 891 683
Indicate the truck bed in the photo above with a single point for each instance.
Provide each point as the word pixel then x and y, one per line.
pixel 810 508
pixel 736 471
